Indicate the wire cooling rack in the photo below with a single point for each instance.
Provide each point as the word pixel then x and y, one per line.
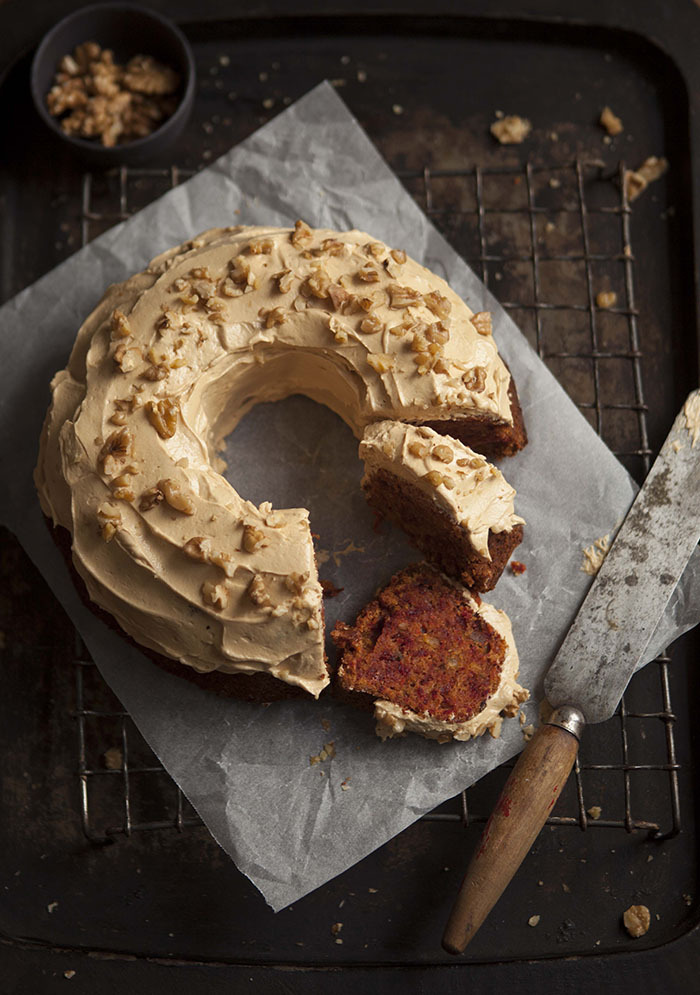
pixel 548 241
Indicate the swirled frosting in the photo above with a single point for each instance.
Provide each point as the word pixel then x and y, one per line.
pixel 165 367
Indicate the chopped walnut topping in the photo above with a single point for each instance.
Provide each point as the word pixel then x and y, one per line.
pixel 371 325
pixel 285 280
pixel 381 362
pixel 340 332
pixel 438 304
pixel 637 180
pixel 150 498
pixel 317 283
pixel 127 357
pixel 365 303
pixel 215 595
pixel 511 130
pixel 482 322
pixel 97 98
pixel 419 343
pixel 339 296
pixel 294 582
pixel 116 451
pixel 637 920
pixel 163 416
pixel 375 249
pixel 399 256
pixel 302 233
pixel 403 296
pixel 368 274
pixel 242 274
pixel 475 379
pixel 272 316
pixel 438 333
pixel 611 122
pixel 198 548
pixel 229 288
pixel 155 372
pixel 119 418
pixel 434 478
pixel 109 518
pixel 333 246
pixel 419 449
pixel 176 497
pixel 252 538
pixel 261 247
pixel 165 322
pixel 443 453
pixel 120 325
pixel 606 299
pixel 257 592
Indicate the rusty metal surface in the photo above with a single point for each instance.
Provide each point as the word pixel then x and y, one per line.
pixel 426 99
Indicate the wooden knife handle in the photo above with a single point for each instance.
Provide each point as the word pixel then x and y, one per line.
pixel 522 809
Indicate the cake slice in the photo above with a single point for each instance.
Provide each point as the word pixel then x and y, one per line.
pixel 454 506
pixel 430 658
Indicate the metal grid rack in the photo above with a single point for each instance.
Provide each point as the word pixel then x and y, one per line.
pixel 504 226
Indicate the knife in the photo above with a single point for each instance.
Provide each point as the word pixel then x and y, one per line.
pixel 599 655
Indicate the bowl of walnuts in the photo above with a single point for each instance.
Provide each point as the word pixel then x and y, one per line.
pixel 115 82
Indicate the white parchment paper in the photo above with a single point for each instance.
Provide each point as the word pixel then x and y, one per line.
pixel 290 826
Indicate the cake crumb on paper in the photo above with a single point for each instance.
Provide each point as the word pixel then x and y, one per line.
pixel 51 906
pixel 326 753
pixel 533 920
pixel 610 121
pixel 69 974
pixel 510 130
pixel 517 567
pixel 397 109
pixel 345 785
pixel 606 299
pixel 595 812
pixel 637 180
pixel 528 732
pixel 637 920
pixel 594 555
pixel 326 724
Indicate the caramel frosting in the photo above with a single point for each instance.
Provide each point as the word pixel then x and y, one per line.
pixel 461 482
pixel 166 366
pixel 392 720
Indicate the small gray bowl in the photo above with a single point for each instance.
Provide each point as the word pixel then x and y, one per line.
pixel 128 29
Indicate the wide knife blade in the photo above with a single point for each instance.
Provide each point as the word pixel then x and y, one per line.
pixel 599 655
pixel 612 629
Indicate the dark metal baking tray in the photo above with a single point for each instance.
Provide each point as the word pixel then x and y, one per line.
pixel 166 907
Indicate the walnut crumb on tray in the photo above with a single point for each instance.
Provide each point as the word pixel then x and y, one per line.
pixel 511 130
pixel 611 122
pixel 637 920
pixel 637 180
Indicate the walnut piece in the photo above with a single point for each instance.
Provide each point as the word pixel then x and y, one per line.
pixel 637 180
pixel 403 296
pixel 150 498
pixel 399 256
pixel 257 592
pixel 611 122
pixel 637 920
pixel 606 299
pixel 176 497
pixel 482 322
pixel 438 304
pixel 434 478
pixel 215 595
pixel 371 325
pixel 272 316
pixel 302 233
pixel 198 548
pixel 475 379
pixel 163 416
pixel 419 449
pixel 511 130
pixel 252 538
pixel 381 362
pixel 443 453
pixel 116 451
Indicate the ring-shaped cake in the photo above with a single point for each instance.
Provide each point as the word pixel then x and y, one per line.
pixel 166 366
